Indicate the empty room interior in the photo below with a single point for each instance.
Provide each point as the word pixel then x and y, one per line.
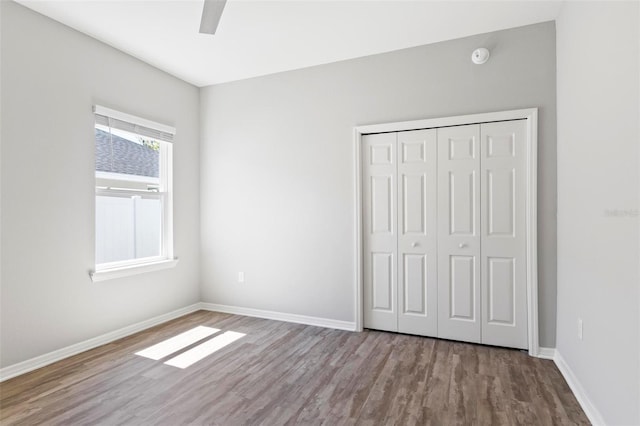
pixel 319 212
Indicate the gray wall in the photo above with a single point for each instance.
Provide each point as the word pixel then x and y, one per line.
pixel 51 76
pixel 598 202
pixel 277 163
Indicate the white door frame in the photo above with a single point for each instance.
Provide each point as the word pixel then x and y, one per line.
pixel 529 114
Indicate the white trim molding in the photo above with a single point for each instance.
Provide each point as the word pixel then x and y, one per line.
pixel 60 354
pixel 125 271
pixel 585 402
pixel 280 316
pixel 546 353
pixel 529 114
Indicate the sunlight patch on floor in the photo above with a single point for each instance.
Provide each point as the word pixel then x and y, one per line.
pixel 205 349
pixel 174 344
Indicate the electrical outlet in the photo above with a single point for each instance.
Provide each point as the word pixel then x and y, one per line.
pixel 580 328
pixel 240 277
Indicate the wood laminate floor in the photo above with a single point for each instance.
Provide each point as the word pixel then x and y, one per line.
pixel 290 374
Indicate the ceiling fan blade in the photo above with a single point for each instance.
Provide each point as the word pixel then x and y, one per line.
pixel 211 13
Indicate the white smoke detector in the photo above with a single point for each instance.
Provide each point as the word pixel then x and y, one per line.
pixel 480 56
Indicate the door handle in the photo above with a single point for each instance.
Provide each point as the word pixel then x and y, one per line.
pixel 462 245
pixel 414 244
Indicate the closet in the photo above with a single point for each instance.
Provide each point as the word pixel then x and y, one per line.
pixel 443 232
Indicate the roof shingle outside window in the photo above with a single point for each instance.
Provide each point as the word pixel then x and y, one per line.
pixel 118 155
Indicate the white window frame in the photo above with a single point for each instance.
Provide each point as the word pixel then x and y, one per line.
pixel 166 259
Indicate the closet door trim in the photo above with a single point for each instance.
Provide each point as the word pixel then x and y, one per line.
pixel 529 114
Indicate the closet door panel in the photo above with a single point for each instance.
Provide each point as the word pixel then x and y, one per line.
pixel 380 231
pixel 459 309
pixel 414 282
pixel 504 299
pixel 462 285
pixel 462 187
pixel 417 232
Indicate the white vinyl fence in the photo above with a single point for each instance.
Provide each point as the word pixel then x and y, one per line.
pixel 127 228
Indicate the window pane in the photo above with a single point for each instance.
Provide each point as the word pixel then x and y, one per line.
pixel 126 160
pixel 127 228
pixel 148 227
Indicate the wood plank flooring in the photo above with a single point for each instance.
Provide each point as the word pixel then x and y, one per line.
pixel 289 374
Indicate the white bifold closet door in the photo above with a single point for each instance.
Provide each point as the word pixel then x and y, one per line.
pixel 444 235
pixel 459 233
pixel 503 233
pixel 482 234
pixel 400 232
pixel 380 231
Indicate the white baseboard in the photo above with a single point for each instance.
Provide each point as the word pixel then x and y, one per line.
pixel 546 353
pixel 280 316
pixel 51 357
pixel 588 407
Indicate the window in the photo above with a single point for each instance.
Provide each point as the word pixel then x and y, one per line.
pixel 133 204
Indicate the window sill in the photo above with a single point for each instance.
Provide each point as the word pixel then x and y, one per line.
pixel 126 271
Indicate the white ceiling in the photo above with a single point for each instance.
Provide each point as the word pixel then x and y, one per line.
pixel 264 37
